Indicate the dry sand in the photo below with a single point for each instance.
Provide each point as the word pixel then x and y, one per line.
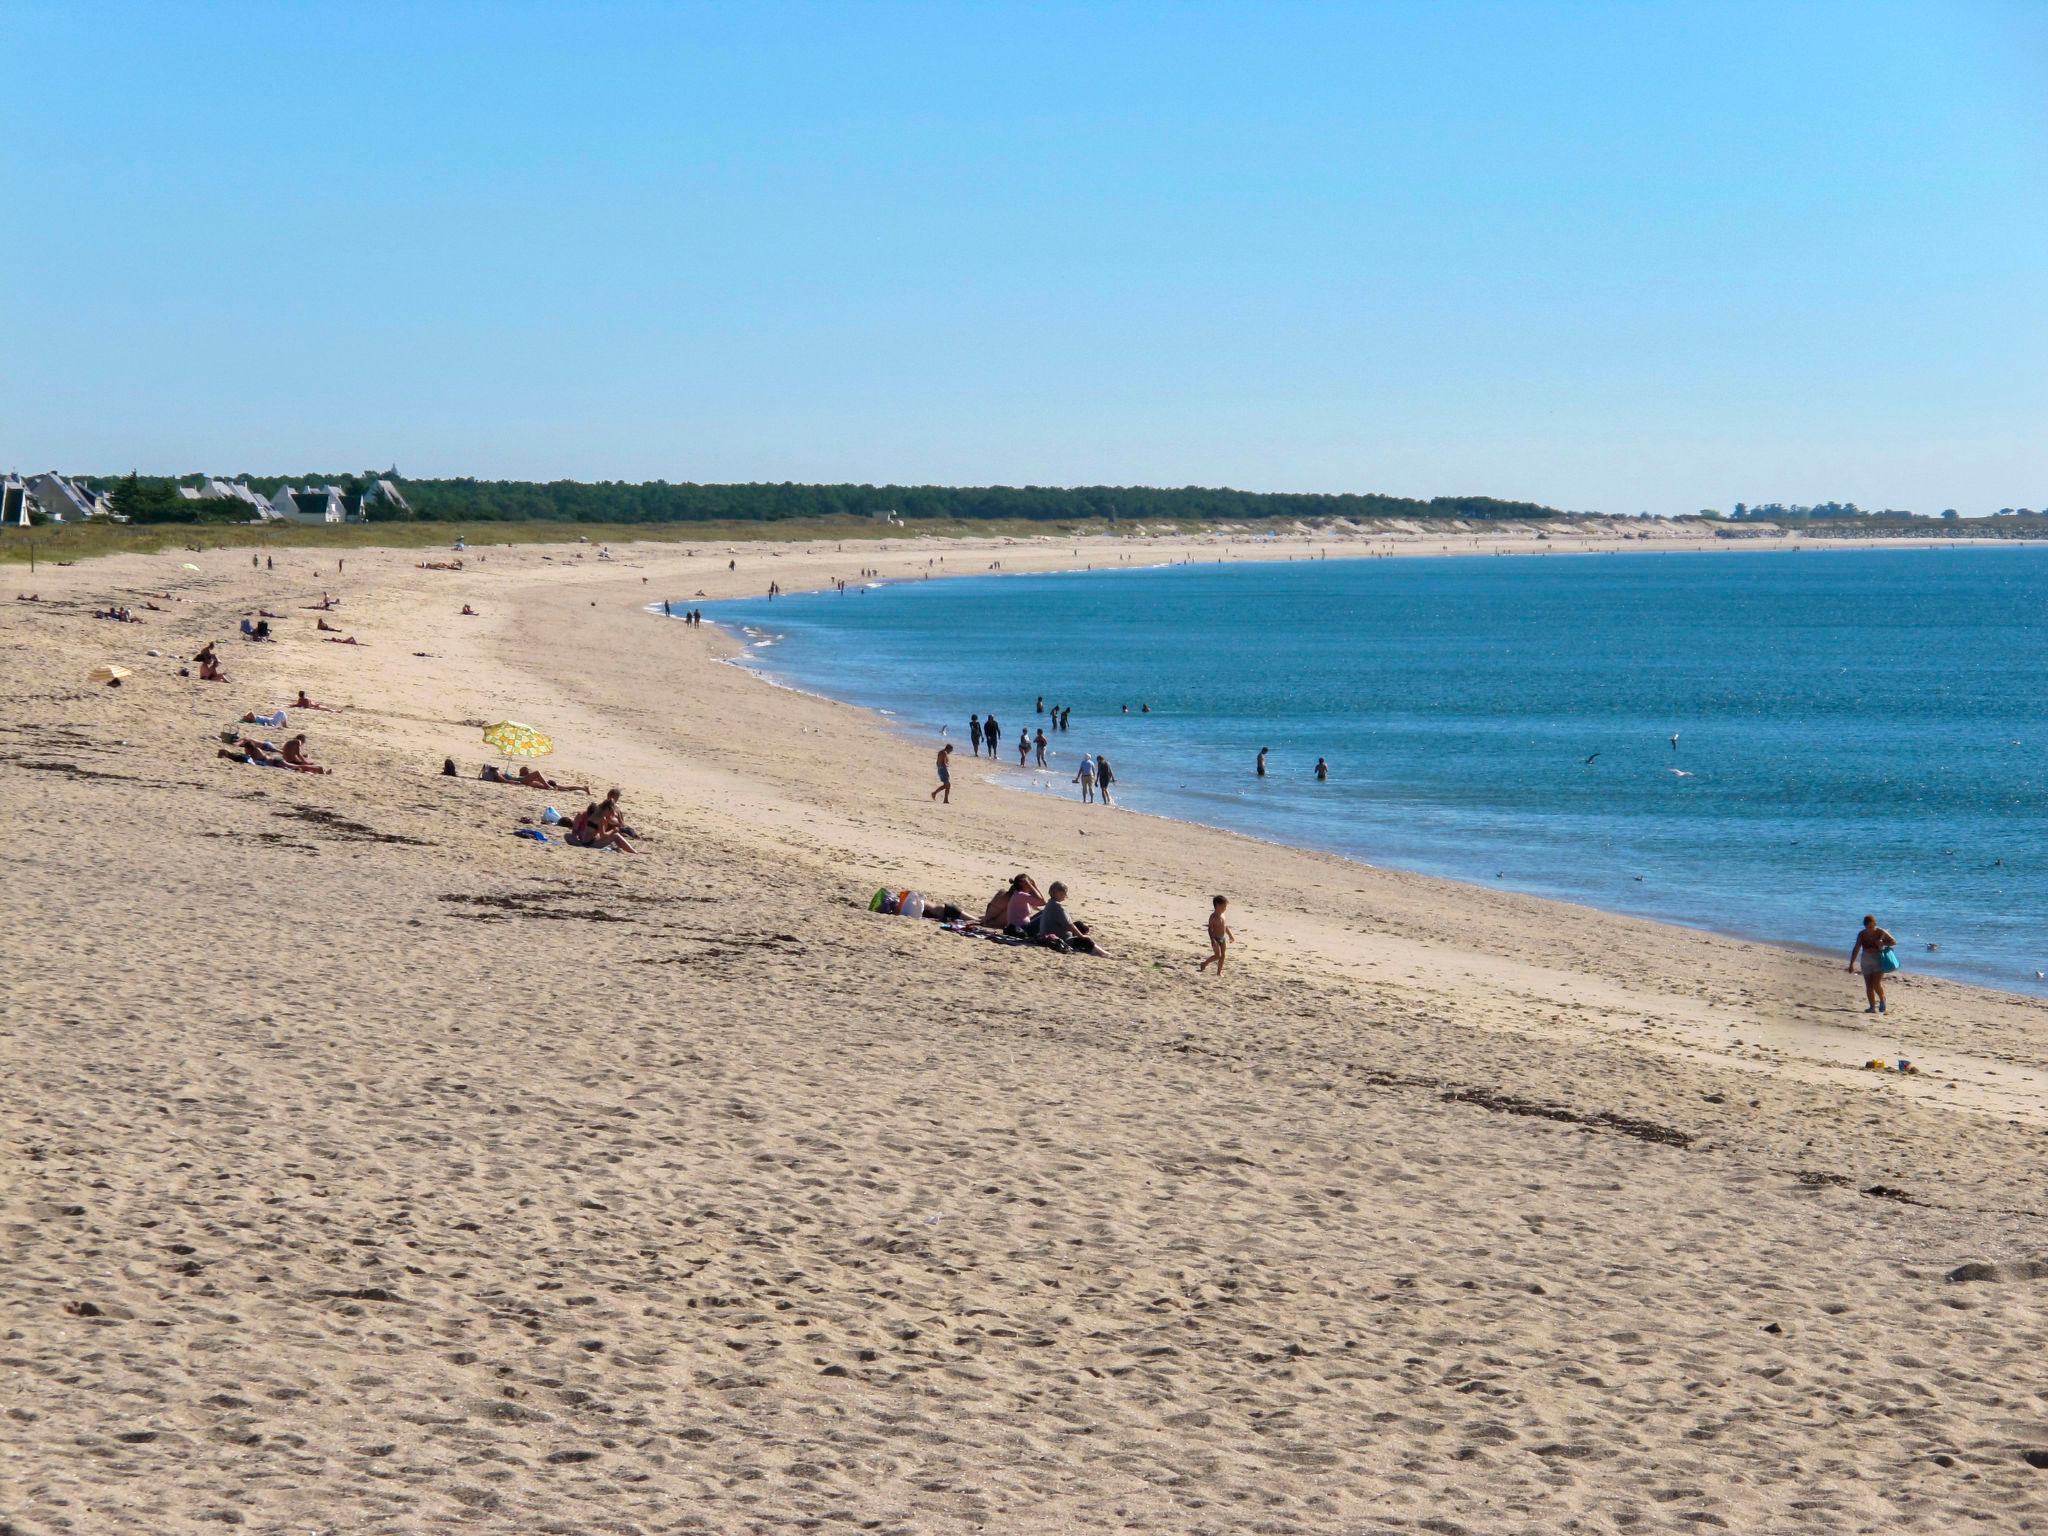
pixel 371 1170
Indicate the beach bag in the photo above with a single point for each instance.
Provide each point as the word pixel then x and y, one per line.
pixel 912 904
pixel 1888 959
pixel 550 817
pixel 879 901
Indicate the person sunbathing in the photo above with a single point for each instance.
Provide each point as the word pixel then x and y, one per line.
pixel 295 754
pixel 533 778
pixel 260 754
pixel 322 624
pixel 302 702
pixel 351 640
pixel 490 773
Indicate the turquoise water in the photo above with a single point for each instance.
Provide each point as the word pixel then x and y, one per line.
pixel 1864 730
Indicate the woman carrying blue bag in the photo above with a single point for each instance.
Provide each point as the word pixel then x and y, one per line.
pixel 1876 953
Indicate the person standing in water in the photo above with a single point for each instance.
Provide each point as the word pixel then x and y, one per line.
pixel 1038 745
pixel 1219 934
pixel 1023 747
pixel 1066 717
pixel 1867 954
pixel 1085 777
pixel 974 733
pixel 992 733
pixel 1260 770
pixel 1103 778
pixel 1322 770
pixel 945 789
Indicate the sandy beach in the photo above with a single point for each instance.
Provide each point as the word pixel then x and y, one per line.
pixel 371 1169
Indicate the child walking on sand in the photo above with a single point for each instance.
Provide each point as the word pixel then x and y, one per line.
pixel 1219 935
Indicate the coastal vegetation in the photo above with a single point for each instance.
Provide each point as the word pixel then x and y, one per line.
pixel 146 498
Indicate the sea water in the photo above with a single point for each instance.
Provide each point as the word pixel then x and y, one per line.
pixel 1764 743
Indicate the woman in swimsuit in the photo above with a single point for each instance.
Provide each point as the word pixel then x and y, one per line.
pixel 1867 954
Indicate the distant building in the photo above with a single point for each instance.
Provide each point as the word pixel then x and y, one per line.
pixel 231 490
pixel 315 504
pixel 331 504
pixel 54 497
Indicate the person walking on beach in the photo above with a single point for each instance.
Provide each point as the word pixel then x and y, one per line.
pixel 1038 745
pixel 1261 769
pixel 1868 954
pixel 945 789
pixel 1085 777
pixel 974 733
pixel 1219 934
pixel 1103 777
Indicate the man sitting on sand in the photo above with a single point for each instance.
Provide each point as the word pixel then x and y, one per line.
pixel 210 672
pixel 302 702
pixel 295 754
pixel 1054 929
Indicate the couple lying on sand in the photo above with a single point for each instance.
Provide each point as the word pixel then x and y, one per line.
pixel 264 754
pixel 1021 912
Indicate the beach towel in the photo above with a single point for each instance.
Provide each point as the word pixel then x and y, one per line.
pixel 535 833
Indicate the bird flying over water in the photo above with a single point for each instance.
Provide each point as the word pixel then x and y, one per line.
pixel 1680 772
pixel 1590 759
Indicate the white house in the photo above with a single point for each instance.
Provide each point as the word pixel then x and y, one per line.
pixel 53 496
pixel 315 504
pixel 231 490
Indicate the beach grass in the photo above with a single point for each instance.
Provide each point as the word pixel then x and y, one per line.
pixel 53 543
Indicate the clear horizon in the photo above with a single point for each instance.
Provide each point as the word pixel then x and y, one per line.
pixel 1605 257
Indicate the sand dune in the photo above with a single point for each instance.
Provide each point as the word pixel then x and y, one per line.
pixel 371 1170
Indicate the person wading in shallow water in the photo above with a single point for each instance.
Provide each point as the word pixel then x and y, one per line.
pixel 1867 954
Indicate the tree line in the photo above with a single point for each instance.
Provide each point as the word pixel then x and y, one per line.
pixel 464 499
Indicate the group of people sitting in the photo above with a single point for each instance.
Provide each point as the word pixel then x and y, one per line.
pixel 1020 911
pixel 601 824
pixel 120 615
pixel 208 661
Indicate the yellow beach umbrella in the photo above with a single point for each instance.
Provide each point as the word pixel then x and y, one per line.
pixel 516 740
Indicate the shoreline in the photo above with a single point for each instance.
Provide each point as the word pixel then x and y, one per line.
pixel 375 1166
pixel 757 661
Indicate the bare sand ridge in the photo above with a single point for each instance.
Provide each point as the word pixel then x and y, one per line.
pixel 368 1169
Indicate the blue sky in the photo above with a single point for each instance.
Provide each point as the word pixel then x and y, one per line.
pixel 1615 257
